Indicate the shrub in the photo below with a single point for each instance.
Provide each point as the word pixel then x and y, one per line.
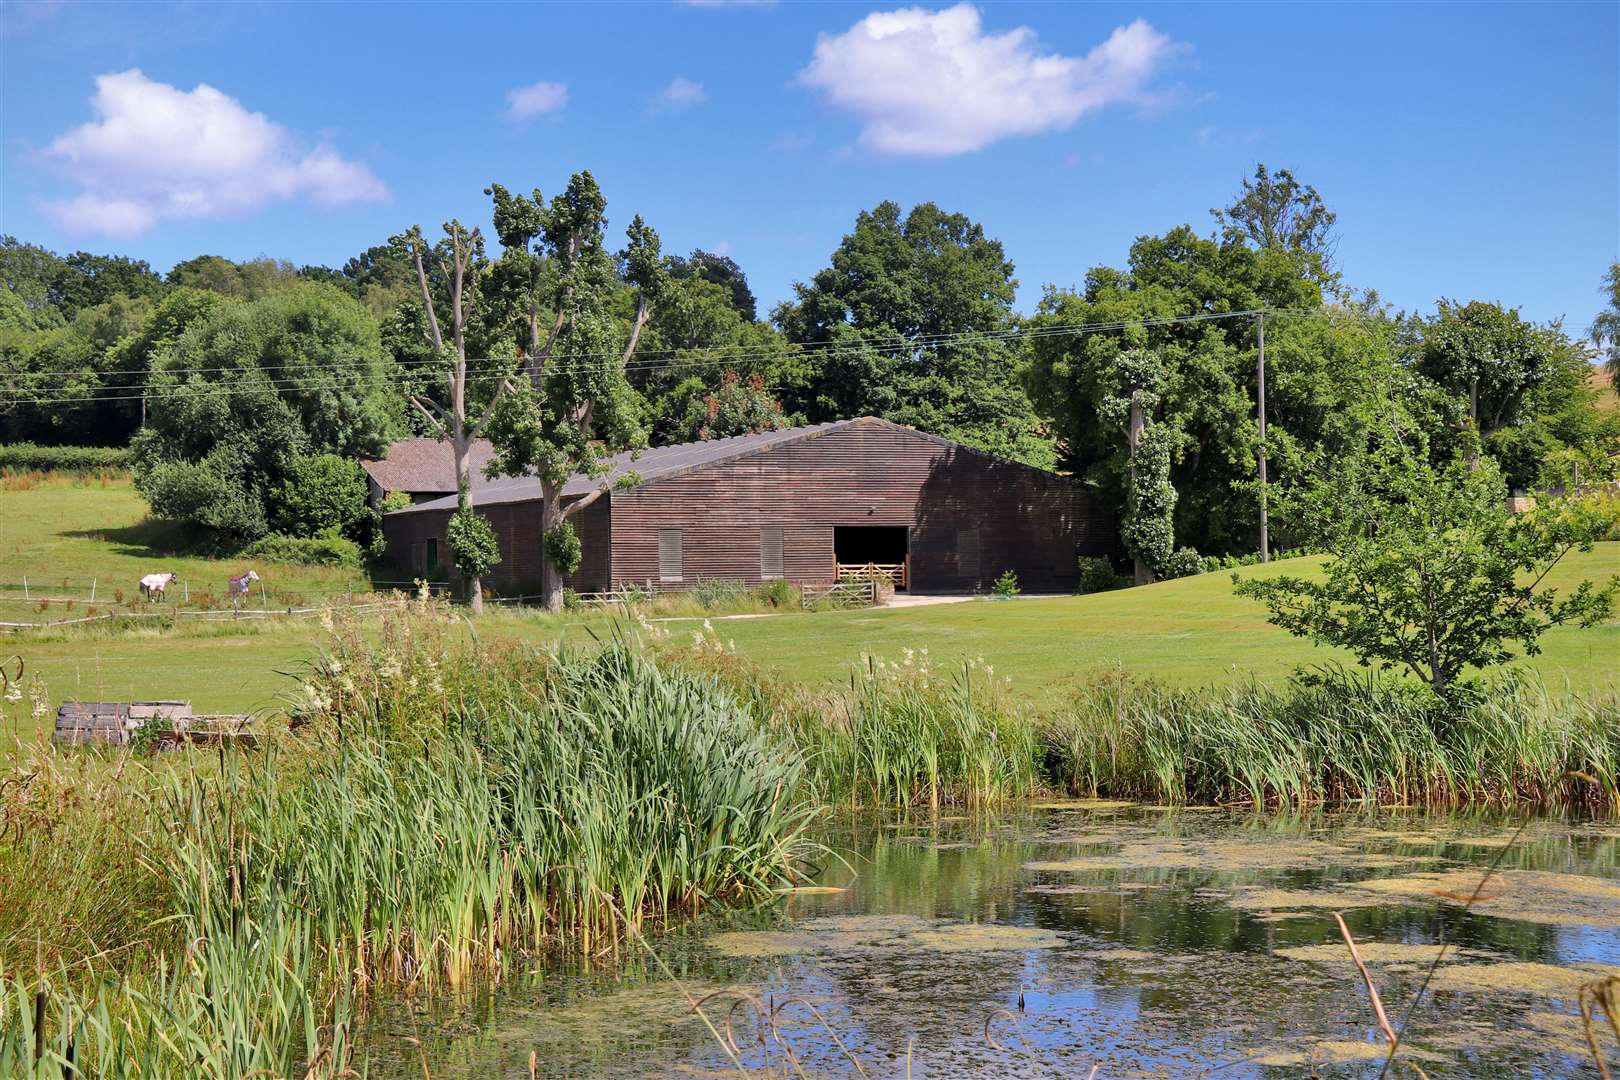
pixel 1184 562
pixel 323 495
pixel 571 600
pixel 305 551
pixel 1006 585
pixel 718 592
pixel 778 592
pixel 32 457
pixel 1099 575
pixel 394 500
pixel 631 592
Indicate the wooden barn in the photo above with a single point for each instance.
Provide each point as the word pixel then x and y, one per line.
pixel 808 504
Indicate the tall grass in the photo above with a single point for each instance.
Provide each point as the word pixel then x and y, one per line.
pixel 436 813
pixel 1335 736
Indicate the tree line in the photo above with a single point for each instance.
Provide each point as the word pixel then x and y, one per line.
pixel 247 390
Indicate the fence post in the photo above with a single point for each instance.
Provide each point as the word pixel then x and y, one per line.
pixel 185 588
pixel 93 590
pixel 25 587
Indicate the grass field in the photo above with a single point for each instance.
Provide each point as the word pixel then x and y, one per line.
pixel 1191 631
pixel 64 533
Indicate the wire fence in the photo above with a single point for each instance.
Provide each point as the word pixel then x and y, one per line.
pixel 203 614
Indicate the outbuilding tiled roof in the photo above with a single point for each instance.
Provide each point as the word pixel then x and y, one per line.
pixel 650 465
pixel 425 466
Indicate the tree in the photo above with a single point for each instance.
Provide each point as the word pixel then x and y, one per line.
pixel 1428 570
pixel 1169 299
pixel 250 390
pixel 574 407
pixel 1132 390
pixel 1606 327
pixel 720 270
pixel 739 407
pixel 459 269
pixel 1488 356
pixel 1275 212
pixel 324 495
pixel 913 321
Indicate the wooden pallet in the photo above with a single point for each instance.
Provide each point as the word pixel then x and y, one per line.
pixel 113 723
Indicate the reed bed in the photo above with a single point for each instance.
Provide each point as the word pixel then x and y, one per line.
pixel 1335 736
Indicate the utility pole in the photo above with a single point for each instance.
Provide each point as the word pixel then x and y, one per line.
pixel 1260 371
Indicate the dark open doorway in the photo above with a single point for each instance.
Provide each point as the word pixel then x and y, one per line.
pixel 885 546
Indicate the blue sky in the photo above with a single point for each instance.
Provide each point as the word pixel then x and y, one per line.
pixel 1470 151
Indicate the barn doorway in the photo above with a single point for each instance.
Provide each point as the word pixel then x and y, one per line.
pixel 873 551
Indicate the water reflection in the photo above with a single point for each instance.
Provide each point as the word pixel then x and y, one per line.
pixel 1151 942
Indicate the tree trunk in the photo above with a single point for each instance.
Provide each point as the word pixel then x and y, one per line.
pixel 551 583
pixel 475 594
pixel 1260 374
pixel 1133 439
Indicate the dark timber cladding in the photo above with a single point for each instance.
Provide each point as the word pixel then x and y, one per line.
pixel 791 504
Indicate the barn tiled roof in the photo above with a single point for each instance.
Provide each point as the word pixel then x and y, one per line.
pixel 650 465
pixel 425 466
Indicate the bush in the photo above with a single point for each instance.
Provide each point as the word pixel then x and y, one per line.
pixel 305 551
pixel 1184 562
pixel 571 600
pixel 1006 585
pixel 1099 575
pixel 324 495
pixel 778 593
pixel 718 592
pixel 31 457
pixel 394 500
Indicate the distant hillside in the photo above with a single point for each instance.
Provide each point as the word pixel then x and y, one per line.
pixel 1608 398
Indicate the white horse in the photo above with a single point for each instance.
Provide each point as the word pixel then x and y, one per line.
pixel 243 583
pixel 152 585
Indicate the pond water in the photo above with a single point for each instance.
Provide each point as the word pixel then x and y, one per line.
pixel 1144 941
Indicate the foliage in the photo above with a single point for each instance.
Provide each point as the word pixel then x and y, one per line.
pixel 1099 575
pixel 1330 736
pixel 1207 411
pixel 563 548
pixel 1605 331
pixel 394 500
pixel 251 390
pixel 738 407
pixel 896 279
pixel 711 593
pixel 1429 570
pixel 1148 531
pixel 305 550
pixel 1183 562
pixel 1488 356
pixel 31 457
pixel 324 495
pixel 1006 586
pixel 778 593
pixel 1275 212
pixel 473 543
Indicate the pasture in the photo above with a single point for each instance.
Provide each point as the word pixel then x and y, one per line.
pixel 1187 632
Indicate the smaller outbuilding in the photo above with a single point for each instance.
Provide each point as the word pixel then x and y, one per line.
pixel 810 505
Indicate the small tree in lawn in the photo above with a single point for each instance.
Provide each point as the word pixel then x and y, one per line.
pixel 473 546
pixel 1429 570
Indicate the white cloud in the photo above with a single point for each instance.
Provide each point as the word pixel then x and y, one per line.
pixel 790 141
pixel 681 94
pixel 159 153
pixel 934 83
pixel 536 99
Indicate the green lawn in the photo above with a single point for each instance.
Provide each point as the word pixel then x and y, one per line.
pixel 1186 632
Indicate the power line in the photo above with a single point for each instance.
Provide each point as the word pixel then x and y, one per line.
pixel 718 357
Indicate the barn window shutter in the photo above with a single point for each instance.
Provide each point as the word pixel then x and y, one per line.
pixel 770 551
pixel 669 554
pixel 967 553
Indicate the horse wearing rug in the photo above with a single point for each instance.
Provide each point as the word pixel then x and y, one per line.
pixel 242 583
pixel 152 585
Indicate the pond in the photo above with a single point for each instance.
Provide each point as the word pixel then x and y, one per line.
pixel 1145 941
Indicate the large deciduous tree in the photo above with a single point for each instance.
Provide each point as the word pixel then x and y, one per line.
pixel 1606 327
pixel 251 389
pixel 573 407
pixel 912 321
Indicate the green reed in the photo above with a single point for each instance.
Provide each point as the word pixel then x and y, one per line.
pixel 1335 736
